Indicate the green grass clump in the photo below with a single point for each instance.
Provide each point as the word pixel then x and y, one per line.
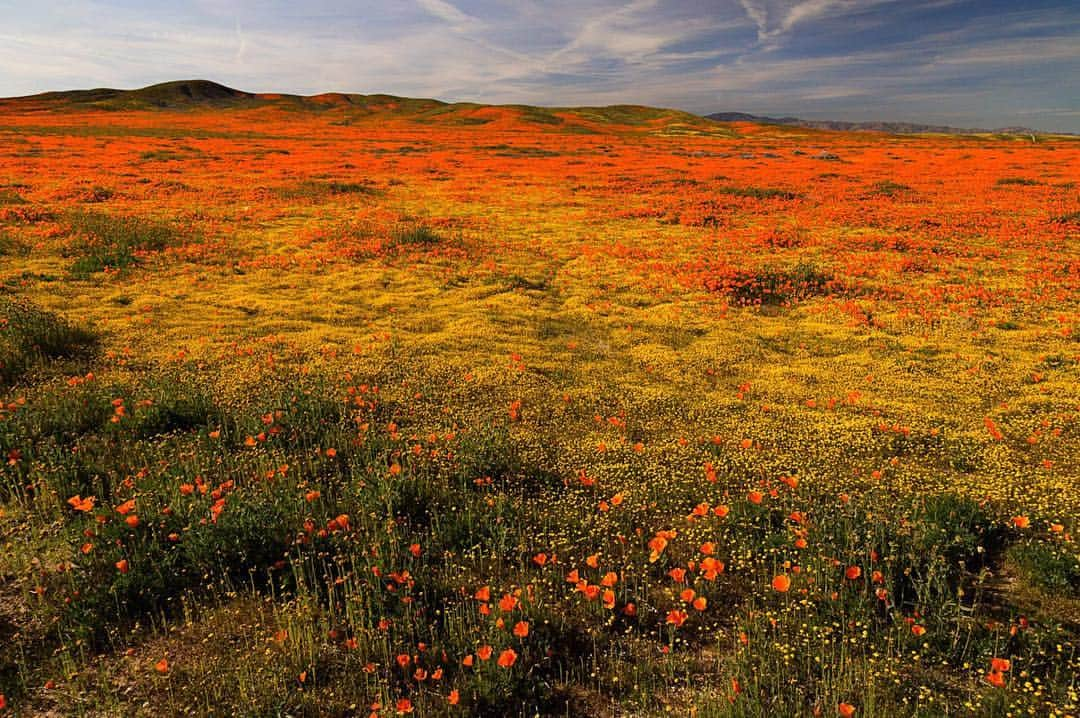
pixel 10 196
pixel 318 189
pixel 30 335
pixel 415 234
pixel 1017 181
pixel 758 192
pixel 1053 567
pixel 105 241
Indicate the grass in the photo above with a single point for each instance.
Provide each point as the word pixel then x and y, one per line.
pixel 758 192
pixel 105 241
pixel 316 190
pixel 584 436
pixel 30 335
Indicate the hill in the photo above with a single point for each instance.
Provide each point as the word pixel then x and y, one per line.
pixel 897 128
pixel 194 95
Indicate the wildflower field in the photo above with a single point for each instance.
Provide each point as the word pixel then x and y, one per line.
pixel 353 407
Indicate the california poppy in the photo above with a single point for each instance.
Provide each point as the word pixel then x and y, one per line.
pixel 781 583
pixel 80 504
pixel 507 658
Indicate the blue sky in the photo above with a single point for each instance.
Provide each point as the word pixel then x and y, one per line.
pixel 983 63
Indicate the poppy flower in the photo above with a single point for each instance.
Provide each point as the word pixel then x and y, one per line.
pixel 454 698
pixel 781 583
pixel 676 617
pixel 484 652
pixel 507 658
pixel 122 565
pixel 521 629
pixel 483 594
pixel 845 710
pixel 162 666
pixel 80 504
pixel 403 706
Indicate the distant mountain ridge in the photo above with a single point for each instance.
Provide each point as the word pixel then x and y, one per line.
pixel 183 95
pixel 193 95
pixel 899 128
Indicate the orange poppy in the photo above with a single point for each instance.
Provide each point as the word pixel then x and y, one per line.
pixel 507 658
pixel 676 617
pixel 521 629
pixel 80 504
pixel 845 710
pixel 781 583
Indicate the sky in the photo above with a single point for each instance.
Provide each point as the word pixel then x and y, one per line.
pixel 967 63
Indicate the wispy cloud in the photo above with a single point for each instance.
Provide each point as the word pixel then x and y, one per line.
pixel 983 62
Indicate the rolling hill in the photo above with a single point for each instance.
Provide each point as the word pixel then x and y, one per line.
pixel 197 95
pixel 896 128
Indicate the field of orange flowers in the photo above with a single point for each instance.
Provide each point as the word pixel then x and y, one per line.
pixel 463 410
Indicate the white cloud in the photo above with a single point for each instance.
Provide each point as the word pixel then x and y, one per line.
pixel 702 55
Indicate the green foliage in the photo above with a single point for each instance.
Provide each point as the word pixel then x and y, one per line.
pixel 1017 181
pixel 1053 567
pixel 314 190
pixel 30 335
pixel 758 192
pixel 105 241
pixel 415 234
